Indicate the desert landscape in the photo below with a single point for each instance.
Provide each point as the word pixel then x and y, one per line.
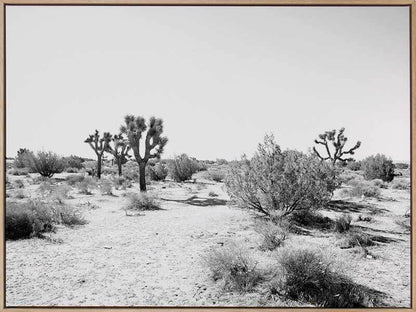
pixel 208 156
pixel 188 239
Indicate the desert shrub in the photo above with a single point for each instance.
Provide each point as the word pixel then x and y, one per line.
pixel 401 166
pixel 19 171
pixel 20 194
pixel 347 175
pixel 74 179
pixel 35 217
pixel 400 184
pixel 106 187
pixel 234 268
pixel 157 172
pixel 90 167
pixel 357 238
pixel 181 168
pixel 19 183
pixel 404 222
pixel 276 182
pixel 23 158
pixel 45 188
pixel 47 164
pixel 131 171
pixel 108 170
pixel 221 161
pixel 121 182
pixel 86 185
pixel 343 223
pixel 379 183
pixel 142 202
pixel 361 188
pixel 307 275
pixel 73 162
pixel 378 167
pixel 72 170
pixel 273 234
pixel 354 165
pixel 212 194
pixel 60 193
pixel 24 220
pixel 216 175
pixel 70 216
pixel 364 218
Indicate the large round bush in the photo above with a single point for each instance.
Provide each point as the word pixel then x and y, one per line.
pixel 276 183
pixel 378 167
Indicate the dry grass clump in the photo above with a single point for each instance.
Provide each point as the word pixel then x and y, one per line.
pixel 86 185
pixel 121 183
pixel 273 234
pixel 142 202
pixel 343 223
pixel 215 175
pixel 357 239
pixel 380 183
pixel 106 187
pixel 400 184
pixel 73 179
pixel 35 217
pixel 234 268
pixel 19 171
pixel 360 188
pixel 308 275
pixel 310 219
pixel 212 194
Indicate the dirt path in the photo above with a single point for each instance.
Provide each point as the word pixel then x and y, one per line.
pixel 120 260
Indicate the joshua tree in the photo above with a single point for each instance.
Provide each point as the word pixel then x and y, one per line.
pixel 338 141
pixel 98 144
pixel 134 128
pixel 120 150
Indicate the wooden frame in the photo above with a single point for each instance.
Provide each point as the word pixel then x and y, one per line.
pixel 409 3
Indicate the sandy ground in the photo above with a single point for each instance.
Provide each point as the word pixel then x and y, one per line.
pixel 157 259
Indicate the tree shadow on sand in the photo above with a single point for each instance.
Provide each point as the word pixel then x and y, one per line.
pixel 347 206
pixel 198 201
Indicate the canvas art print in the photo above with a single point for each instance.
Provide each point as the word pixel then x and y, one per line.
pixel 207 156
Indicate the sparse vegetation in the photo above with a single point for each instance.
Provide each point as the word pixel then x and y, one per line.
pixel 273 234
pixel 231 265
pixel 378 167
pixel 307 275
pixel 142 202
pixel 157 172
pixel 276 182
pixel 86 185
pixel 181 168
pixel 47 164
pixel 361 188
pixel 400 184
pixel 343 223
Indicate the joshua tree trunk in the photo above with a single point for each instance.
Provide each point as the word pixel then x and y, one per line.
pixel 119 164
pixel 99 167
pixel 142 173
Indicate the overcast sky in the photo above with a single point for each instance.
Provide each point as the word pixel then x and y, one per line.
pixel 220 77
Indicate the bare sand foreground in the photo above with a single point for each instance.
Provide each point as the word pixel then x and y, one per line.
pixel 157 258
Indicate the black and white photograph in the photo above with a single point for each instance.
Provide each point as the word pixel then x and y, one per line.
pixel 207 156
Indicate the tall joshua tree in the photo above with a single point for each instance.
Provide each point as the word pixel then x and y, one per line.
pixel 99 145
pixel 119 150
pixel 338 141
pixel 154 143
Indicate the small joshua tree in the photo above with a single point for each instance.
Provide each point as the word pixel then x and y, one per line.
pixel 99 146
pixel 338 141
pixel 134 128
pixel 120 150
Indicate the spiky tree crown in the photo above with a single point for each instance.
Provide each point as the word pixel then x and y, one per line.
pixel 120 148
pixel 135 127
pixel 338 141
pixel 97 143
